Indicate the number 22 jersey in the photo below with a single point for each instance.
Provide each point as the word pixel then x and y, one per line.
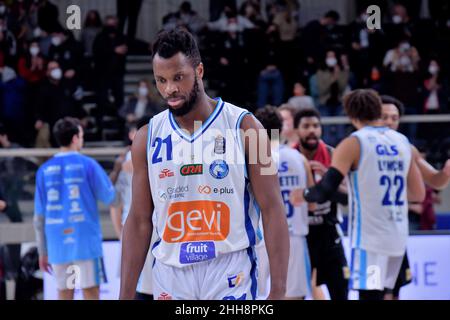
pixel 378 204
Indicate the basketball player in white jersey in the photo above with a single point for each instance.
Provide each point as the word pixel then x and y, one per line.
pixel 392 111
pixel 293 172
pixel 381 180
pixel 119 213
pixel 202 188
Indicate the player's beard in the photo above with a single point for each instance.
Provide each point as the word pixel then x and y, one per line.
pixel 309 146
pixel 190 102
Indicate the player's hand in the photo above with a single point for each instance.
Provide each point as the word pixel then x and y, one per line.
pixel 44 265
pixel 296 197
pixel 446 168
pixel 2 205
pixel 318 168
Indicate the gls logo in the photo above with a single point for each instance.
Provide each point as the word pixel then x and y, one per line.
pixel 383 150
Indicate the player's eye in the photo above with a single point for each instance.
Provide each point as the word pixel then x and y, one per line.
pixel 161 80
pixel 178 77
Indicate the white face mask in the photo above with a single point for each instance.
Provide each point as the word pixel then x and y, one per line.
pixel 433 69
pixel 397 19
pixel 56 74
pixel 405 47
pixel 34 51
pixel 56 41
pixel 2 9
pixel 331 62
pixel 143 91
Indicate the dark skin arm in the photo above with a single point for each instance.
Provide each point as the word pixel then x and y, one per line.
pixel 437 179
pixel 138 228
pixel 266 188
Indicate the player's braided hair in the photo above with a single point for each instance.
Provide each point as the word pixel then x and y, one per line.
pixel 363 105
pixel 169 43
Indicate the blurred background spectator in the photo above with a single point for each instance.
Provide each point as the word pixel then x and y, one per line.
pixel 128 14
pixel 300 100
pixel 55 100
pixel 185 17
pixel 141 104
pixel 110 51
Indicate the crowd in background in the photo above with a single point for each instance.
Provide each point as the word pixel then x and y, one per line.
pixel 254 56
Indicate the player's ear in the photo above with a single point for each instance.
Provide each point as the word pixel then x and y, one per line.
pixel 200 70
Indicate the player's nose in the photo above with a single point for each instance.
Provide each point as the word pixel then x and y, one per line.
pixel 171 89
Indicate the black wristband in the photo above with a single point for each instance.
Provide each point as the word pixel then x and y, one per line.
pixel 326 188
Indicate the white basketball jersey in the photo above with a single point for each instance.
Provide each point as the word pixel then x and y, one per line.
pixel 203 202
pixel 378 192
pixel 292 175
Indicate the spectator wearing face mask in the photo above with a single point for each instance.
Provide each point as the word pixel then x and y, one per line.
pixel 435 90
pixel 54 101
pixel 434 100
pixel 67 52
pixel 402 58
pixel 400 24
pixel 328 86
pixel 31 65
pixel 140 105
pixel 32 68
pixel 402 79
pixel 332 80
pixel 321 35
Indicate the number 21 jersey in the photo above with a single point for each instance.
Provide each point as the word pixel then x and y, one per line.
pixel 203 202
